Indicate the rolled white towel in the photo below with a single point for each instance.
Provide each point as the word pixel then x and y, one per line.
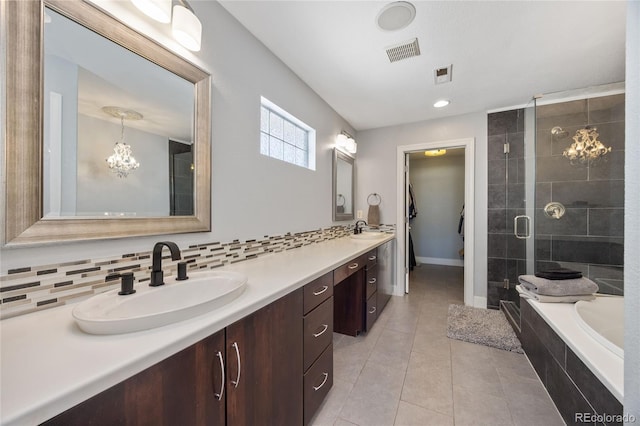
pixel 525 294
pixel 572 287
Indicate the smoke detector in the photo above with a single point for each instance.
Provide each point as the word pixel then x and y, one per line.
pixel 395 16
pixel 403 51
pixel 442 74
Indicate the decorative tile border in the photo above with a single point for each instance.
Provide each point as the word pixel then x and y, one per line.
pixel 34 288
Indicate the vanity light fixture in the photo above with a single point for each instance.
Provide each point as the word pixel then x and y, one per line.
pixel 435 152
pixel 346 143
pixel 122 162
pixel 160 10
pixel 441 103
pixel 186 27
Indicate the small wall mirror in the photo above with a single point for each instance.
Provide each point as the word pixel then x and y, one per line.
pixel 343 185
pixel 78 83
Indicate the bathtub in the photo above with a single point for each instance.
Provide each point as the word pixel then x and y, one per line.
pixel 603 319
pixel 577 326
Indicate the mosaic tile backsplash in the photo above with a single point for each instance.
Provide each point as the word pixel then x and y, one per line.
pixel 33 288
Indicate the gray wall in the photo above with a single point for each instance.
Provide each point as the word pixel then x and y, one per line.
pixel 438 187
pixel 376 171
pixel 632 212
pixel 252 195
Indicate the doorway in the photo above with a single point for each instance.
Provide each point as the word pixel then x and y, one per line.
pixel 402 212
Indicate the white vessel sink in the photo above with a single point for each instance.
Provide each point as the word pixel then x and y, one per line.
pixel 368 235
pixel 150 307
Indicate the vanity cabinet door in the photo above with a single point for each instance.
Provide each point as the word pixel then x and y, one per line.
pixel 264 365
pixel 179 390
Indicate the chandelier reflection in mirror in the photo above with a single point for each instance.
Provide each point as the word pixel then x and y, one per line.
pixel 122 162
pixel 586 147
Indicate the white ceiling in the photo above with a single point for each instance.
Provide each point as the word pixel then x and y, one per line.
pixel 502 52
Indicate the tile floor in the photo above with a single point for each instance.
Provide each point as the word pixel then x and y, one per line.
pixel 406 371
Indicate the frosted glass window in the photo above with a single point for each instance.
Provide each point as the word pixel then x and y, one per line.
pixel 284 137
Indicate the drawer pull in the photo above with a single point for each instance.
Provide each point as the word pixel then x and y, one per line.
pixel 325 327
pixel 318 293
pixel 326 376
pixel 237 380
pixel 373 280
pixel 372 257
pixel 373 310
pixel 353 266
pixel 219 395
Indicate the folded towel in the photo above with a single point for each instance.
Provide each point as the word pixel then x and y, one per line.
pixel 572 287
pixel 559 274
pixel 373 216
pixel 525 294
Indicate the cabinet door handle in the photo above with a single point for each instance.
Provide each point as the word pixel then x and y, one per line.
pixel 353 266
pixel 318 293
pixel 373 310
pixel 219 395
pixel 373 280
pixel 325 327
pixel 237 380
pixel 373 258
pixel 326 376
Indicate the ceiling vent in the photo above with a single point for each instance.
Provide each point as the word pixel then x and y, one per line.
pixel 403 51
pixel 442 75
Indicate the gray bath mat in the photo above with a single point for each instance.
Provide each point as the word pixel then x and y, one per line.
pixel 482 326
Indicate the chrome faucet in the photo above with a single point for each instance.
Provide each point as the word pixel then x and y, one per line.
pixel 358 228
pixel 157 276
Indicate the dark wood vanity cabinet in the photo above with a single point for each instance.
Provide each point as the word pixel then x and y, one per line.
pixel 318 337
pixel 371 283
pixel 261 355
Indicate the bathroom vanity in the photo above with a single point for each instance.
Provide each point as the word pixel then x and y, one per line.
pixel 265 355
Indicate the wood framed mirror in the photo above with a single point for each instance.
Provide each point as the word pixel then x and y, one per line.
pixel 29 217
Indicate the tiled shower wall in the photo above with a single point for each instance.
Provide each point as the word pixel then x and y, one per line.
pixel 590 236
pixel 33 288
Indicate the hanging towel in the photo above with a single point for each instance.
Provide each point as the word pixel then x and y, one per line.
pixel 559 274
pixel 572 287
pixel 373 216
pixel 525 294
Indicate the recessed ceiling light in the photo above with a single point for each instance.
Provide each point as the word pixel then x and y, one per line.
pixel 395 16
pixel 441 103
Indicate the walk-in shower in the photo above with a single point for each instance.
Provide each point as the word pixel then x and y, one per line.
pixel 556 190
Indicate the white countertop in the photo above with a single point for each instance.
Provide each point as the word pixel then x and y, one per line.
pixel 604 364
pixel 47 365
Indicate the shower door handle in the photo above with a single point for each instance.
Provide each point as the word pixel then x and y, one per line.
pixel 527 227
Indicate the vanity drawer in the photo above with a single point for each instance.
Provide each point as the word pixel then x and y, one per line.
pixel 371 312
pixel 344 271
pixel 317 291
pixel 317 383
pixel 372 258
pixel 372 281
pixel 318 331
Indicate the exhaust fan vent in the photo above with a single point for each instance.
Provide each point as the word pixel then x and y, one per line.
pixel 403 51
pixel 442 75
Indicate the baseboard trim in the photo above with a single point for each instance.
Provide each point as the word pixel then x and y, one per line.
pixel 439 261
pixel 479 302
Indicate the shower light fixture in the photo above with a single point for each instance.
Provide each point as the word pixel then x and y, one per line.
pixel 586 147
pixel 122 162
pixel 441 103
pixel 435 152
pixel 345 142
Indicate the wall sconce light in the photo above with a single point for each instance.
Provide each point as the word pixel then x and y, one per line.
pixel 160 10
pixel 122 162
pixel 185 25
pixel 586 147
pixel 435 152
pixel 346 143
